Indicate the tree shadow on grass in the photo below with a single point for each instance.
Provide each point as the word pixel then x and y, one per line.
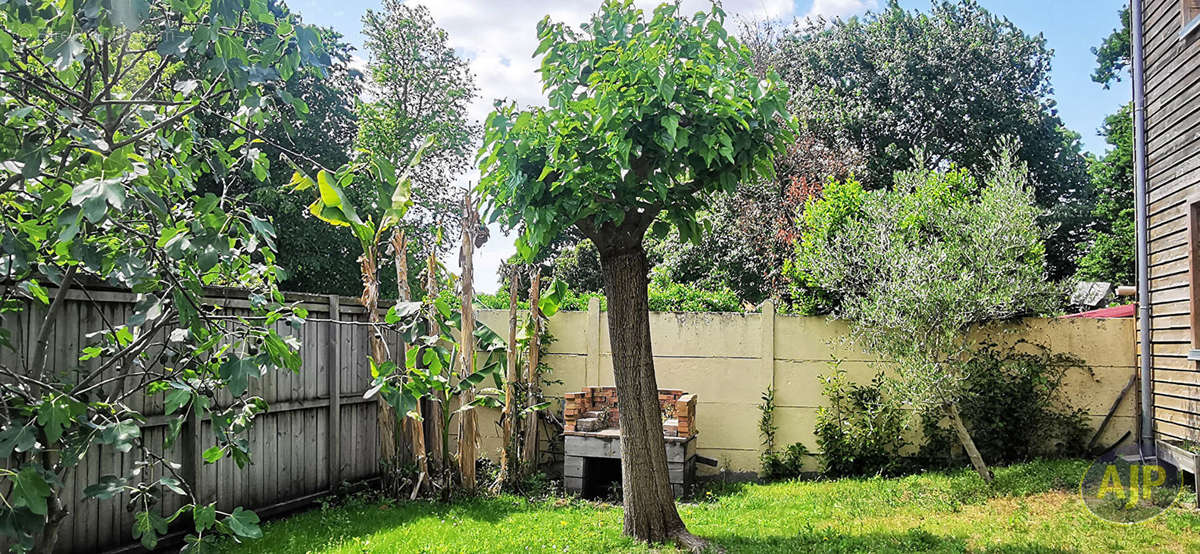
pixel 912 540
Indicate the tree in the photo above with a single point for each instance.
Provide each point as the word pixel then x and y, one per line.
pixel 422 88
pixel 103 150
pixel 949 82
pixel 323 127
pixel 1110 251
pixel 1114 53
pixel 915 269
pixel 579 267
pixel 1109 254
pixel 648 117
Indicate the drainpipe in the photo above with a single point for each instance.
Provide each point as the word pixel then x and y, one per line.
pixel 1146 442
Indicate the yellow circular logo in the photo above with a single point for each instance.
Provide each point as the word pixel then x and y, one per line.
pixel 1127 491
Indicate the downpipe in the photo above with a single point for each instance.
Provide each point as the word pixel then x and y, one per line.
pixel 1146 445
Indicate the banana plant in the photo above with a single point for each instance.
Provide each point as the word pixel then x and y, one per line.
pixel 432 367
pixel 334 206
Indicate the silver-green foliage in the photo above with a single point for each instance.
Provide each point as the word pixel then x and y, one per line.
pixel 916 268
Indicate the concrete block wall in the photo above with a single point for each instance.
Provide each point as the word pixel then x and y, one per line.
pixel 729 359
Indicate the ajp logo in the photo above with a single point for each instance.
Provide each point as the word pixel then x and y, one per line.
pixel 1128 491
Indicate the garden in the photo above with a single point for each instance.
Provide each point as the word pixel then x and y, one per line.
pixel 240 310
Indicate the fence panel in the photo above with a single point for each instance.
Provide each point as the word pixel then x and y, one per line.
pixel 317 433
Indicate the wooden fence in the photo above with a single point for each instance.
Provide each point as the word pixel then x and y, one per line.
pixel 319 432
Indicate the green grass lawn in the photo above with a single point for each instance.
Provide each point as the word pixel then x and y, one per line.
pixel 1033 507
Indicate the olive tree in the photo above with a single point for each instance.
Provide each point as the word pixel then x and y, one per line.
pixel 648 117
pixel 917 268
pixel 101 152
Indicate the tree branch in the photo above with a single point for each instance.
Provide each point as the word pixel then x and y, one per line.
pixel 38 360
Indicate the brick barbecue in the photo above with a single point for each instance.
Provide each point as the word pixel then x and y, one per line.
pixel 593 439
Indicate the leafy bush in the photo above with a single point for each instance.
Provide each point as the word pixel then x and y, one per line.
pixel 788 464
pixel 861 431
pixel 668 296
pixel 1010 405
pixel 665 296
pixel 915 269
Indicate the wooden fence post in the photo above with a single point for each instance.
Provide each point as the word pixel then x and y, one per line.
pixel 335 393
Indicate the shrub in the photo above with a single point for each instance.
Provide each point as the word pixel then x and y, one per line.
pixel 861 431
pixel 775 465
pixel 916 268
pixel 786 465
pixel 1010 405
pixel 664 296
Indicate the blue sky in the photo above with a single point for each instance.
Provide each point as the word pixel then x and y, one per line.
pixel 498 37
pixel 1071 27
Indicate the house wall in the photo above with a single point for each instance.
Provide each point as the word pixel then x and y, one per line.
pixel 729 360
pixel 1172 88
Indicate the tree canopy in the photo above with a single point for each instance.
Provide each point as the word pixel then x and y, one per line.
pixel 645 116
pixel 648 118
pixel 421 88
pixel 917 267
pixel 1110 251
pixel 103 148
pixel 950 82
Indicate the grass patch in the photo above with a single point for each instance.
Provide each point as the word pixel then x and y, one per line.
pixel 1033 507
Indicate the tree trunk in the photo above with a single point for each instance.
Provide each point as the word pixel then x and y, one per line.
pixel 650 513
pixel 416 431
pixel 466 420
pixel 529 453
pixel 55 514
pixel 385 416
pixel 437 453
pixel 508 456
pixel 968 443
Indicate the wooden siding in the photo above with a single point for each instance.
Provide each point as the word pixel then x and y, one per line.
pixel 1172 70
pixel 295 452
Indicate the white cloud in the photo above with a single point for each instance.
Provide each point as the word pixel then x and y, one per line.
pixel 833 9
pixel 499 38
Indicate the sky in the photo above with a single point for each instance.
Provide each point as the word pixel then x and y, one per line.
pixel 498 37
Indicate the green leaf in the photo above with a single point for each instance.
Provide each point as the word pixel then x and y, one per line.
pixel 148 526
pixel 54 416
pixel 30 490
pixel 120 435
pixel 236 372
pixel 244 524
pixel 536 407
pixel 17 437
pixel 173 485
pixel 549 303
pixel 213 454
pixel 107 487
pixel 402 310
pixel 96 195
pixel 671 124
pixel 177 399
pixel 64 52
pixel 204 517
pixel 174 43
